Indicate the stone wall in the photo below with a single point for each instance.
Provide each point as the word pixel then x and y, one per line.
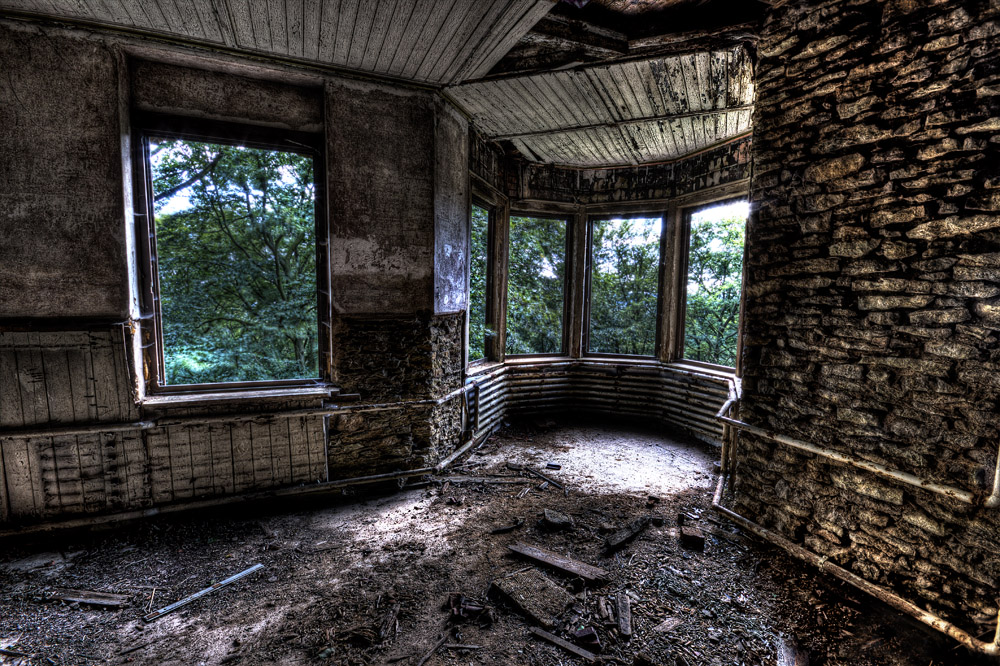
pixel 722 165
pixel 873 306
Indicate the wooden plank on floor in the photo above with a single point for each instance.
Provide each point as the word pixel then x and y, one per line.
pixel 534 595
pixel 561 562
pixel 586 655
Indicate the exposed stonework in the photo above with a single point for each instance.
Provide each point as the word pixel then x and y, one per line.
pixel 416 359
pixel 874 271
pixel 387 358
pixel 719 166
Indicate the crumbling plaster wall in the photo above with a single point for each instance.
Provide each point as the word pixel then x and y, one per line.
pixel 871 319
pixel 398 182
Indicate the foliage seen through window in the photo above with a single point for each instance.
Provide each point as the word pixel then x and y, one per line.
pixel 236 258
pixel 714 280
pixel 535 286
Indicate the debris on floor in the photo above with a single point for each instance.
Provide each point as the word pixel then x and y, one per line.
pixel 389 576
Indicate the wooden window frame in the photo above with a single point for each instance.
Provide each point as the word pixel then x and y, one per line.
pixel 157 125
pixel 589 263
pixel 569 263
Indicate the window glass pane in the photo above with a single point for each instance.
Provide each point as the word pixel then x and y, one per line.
pixel 715 274
pixel 236 253
pixel 624 282
pixel 535 286
pixel 478 252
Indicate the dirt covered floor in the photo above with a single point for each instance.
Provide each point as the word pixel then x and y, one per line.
pixel 366 578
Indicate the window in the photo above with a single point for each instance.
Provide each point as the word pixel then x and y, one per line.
pixel 624 285
pixel 231 281
pixel 479 251
pixel 536 285
pixel 714 279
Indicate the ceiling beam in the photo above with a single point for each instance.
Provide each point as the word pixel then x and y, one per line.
pixel 619 123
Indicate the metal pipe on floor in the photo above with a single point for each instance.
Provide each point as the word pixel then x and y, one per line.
pixel 880 593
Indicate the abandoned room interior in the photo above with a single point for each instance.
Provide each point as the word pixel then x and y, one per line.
pixel 653 332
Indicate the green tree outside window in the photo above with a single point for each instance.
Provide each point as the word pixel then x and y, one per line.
pixel 236 259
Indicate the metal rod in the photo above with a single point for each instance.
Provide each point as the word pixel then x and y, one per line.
pixel 84 429
pixel 875 468
pixel 155 615
pixel 880 593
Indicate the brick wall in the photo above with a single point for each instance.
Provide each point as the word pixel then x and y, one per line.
pixel 873 306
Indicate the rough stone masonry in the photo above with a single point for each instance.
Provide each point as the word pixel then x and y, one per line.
pixel 873 308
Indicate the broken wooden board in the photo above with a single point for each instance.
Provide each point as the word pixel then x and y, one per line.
pixel 668 625
pixel 566 645
pixel 535 596
pixel 624 536
pixel 92 598
pixel 624 608
pixel 692 537
pixel 562 563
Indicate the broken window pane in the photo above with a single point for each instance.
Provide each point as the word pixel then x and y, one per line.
pixel 479 255
pixel 624 283
pixel 236 262
pixel 536 286
pixel 714 279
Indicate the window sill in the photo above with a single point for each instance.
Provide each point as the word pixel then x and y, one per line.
pixel 233 397
pixel 719 371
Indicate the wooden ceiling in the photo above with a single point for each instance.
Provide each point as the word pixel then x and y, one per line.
pixel 622 113
pixel 569 86
pixel 427 41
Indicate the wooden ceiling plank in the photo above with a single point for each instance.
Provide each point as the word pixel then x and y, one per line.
pixel 378 41
pixel 364 21
pixel 422 10
pixel 261 24
pixel 436 18
pixel 534 11
pixel 474 39
pixel 209 19
pixel 312 23
pixel 452 40
pixel 328 30
pixel 398 22
pixel 345 31
pixel 294 16
pixel 242 23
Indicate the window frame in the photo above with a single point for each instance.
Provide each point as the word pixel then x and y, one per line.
pixel 147 125
pixel 660 282
pixel 568 263
pixel 684 214
pixel 489 306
